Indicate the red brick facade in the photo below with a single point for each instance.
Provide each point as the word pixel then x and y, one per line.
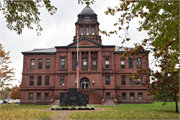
pixel 100 68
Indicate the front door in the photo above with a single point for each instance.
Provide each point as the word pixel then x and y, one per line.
pixel 84 83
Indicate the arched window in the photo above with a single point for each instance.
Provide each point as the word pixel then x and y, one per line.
pixel 87 31
pixel 92 31
pixel 84 83
pixel 81 31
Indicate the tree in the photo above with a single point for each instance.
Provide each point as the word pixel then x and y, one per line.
pixel 4 93
pixel 6 73
pixel 161 20
pixel 24 13
pixel 21 13
pixel 15 92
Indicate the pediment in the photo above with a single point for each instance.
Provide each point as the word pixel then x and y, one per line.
pixel 85 42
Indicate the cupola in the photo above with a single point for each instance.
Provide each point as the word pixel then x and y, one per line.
pixel 87 25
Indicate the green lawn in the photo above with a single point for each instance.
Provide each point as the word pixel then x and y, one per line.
pixel 16 111
pixel 126 111
pixel 131 111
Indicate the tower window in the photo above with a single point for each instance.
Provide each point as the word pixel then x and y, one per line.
pixel 81 31
pixel 92 30
pixel 87 31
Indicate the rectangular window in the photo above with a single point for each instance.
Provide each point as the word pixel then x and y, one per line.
pixel 74 63
pixel 62 63
pixel 107 79
pixel 131 81
pixel 46 80
pixel 106 62
pixel 138 60
pixel 140 81
pixel 131 96
pixel 130 63
pixel 92 31
pixel 39 80
pixel 87 31
pixel 40 63
pixel 47 63
pixel 123 96
pixel 123 80
pixel 123 63
pixel 30 96
pixel 38 96
pixel 61 80
pixel 108 95
pixel 81 31
pixel 94 64
pixel 84 63
pixel 140 96
pixel 31 81
pixel 46 96
pixel 32 66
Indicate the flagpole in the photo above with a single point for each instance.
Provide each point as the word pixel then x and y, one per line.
pixel 77 61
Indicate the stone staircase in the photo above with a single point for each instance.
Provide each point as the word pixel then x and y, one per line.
pixel 55 102
pixel 109 102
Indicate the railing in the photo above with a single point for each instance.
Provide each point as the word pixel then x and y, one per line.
pixel 115 99
pixel 52 100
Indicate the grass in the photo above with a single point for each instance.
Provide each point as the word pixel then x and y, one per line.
pixel 126 111
pixel 131 111
pixel 16 111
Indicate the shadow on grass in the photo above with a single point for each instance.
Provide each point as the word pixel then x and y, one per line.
pixel 167 111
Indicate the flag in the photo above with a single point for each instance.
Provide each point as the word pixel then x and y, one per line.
pixel 77 69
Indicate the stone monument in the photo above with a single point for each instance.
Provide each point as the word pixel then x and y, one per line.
pixel 73 97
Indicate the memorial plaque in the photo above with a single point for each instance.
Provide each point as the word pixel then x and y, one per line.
pixel 73 97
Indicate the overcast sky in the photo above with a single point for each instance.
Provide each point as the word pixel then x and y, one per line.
pixel 59 30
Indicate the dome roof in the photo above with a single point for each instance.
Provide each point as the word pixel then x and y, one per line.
pixel 87 10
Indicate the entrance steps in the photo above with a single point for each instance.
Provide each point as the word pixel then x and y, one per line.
pixel 109 102
pixel 55 102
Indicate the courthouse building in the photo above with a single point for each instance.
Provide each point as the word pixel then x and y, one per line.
pixel 103 75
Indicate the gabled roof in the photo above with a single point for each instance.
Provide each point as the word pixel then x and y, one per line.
pixel 86 39
pixel 71 44
pixel 41 51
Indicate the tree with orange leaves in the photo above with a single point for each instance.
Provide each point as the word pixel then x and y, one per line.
pixel 15 92
pixel 6 73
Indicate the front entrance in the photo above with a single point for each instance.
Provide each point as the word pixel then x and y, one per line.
pixel 84 83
